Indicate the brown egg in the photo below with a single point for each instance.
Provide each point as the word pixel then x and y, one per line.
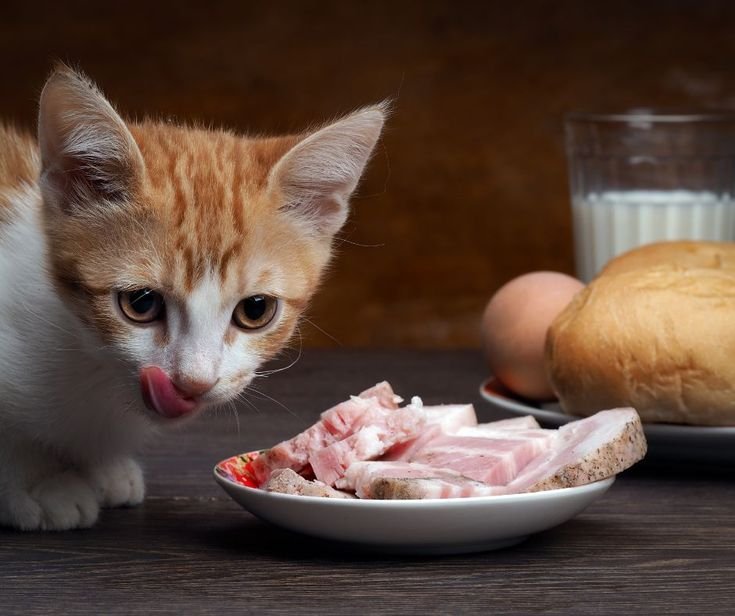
pixel 514 329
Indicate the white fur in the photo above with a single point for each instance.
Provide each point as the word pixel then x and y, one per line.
pixel 71 414
pixel 66 407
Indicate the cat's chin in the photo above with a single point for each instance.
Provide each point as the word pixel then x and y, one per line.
pixel 161 421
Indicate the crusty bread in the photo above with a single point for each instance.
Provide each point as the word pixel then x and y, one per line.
pixel 678 255
pixel 655 331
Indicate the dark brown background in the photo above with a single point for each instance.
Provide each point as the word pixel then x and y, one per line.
pixel 469 186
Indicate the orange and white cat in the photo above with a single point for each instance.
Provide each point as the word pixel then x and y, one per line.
pixel 146 271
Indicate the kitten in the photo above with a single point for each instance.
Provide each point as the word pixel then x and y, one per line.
pixel 147 271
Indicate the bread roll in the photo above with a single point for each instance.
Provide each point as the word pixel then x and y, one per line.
pixel 655 331
pixel 677 255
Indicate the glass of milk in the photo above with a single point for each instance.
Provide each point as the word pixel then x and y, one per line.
pixel 642 177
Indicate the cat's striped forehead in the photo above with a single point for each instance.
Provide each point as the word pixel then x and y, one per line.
pixel 207 192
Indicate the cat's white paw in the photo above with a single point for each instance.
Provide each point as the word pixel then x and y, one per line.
pixel 119 483
pixel 60 502
pixel 19 510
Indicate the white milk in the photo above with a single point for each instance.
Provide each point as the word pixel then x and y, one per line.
pixel 608 223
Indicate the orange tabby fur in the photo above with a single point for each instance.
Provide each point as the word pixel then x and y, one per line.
pixel 204 206
pixel 19 166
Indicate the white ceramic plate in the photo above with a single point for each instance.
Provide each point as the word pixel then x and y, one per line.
pixel 432 526
pixel 668 442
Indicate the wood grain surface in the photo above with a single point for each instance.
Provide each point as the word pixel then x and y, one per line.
pixel 468 188
pixel 662 540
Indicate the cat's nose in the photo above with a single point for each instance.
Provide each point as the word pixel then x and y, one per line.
pixel 193 388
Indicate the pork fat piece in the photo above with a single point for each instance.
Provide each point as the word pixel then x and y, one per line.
pixel 330 463
pixel 527 422
pixel 440 419
pixel 494 458
pixel 586 450
pixel 286 481
pixel 334 425
pixel 406 480
pixel 580 452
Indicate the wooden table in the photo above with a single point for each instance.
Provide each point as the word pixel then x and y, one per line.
pixel 661 540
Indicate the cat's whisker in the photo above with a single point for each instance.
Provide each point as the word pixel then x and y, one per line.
pixel 327 334
pixel 265 396
pixel 231 405
pixel 243 398
pixel 129 405
pixel 267 373
pixel 343 240
pixel 28 309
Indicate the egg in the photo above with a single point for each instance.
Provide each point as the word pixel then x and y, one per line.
pixel 514 327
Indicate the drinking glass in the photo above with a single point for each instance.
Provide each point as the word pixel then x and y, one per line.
pixel 646 176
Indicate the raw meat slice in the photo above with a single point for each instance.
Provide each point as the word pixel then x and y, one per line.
pixel 329 463
pixel 402 452
pixel 451 417
pixel 440 486
pixel 485 431
pixel 384 393
pixel 494 458
pixel 441 419
pixel 359 475
pixel 585 451
pixel 405 480
pixel 514 423
pixel 334 425
pixel 286 481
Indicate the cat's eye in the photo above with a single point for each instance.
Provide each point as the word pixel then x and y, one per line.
pixel 141 305
pixel 255 311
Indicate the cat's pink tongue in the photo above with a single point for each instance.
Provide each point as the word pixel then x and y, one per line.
pixel 160 394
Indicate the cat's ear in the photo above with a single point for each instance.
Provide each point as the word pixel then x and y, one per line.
pixel 318 175
pixel 88 156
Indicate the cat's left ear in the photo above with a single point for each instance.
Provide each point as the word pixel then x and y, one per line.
pixel 318 175
pixel 89 158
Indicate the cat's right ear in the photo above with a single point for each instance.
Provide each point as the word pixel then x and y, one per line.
pixel 318 175
pixel 89 158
